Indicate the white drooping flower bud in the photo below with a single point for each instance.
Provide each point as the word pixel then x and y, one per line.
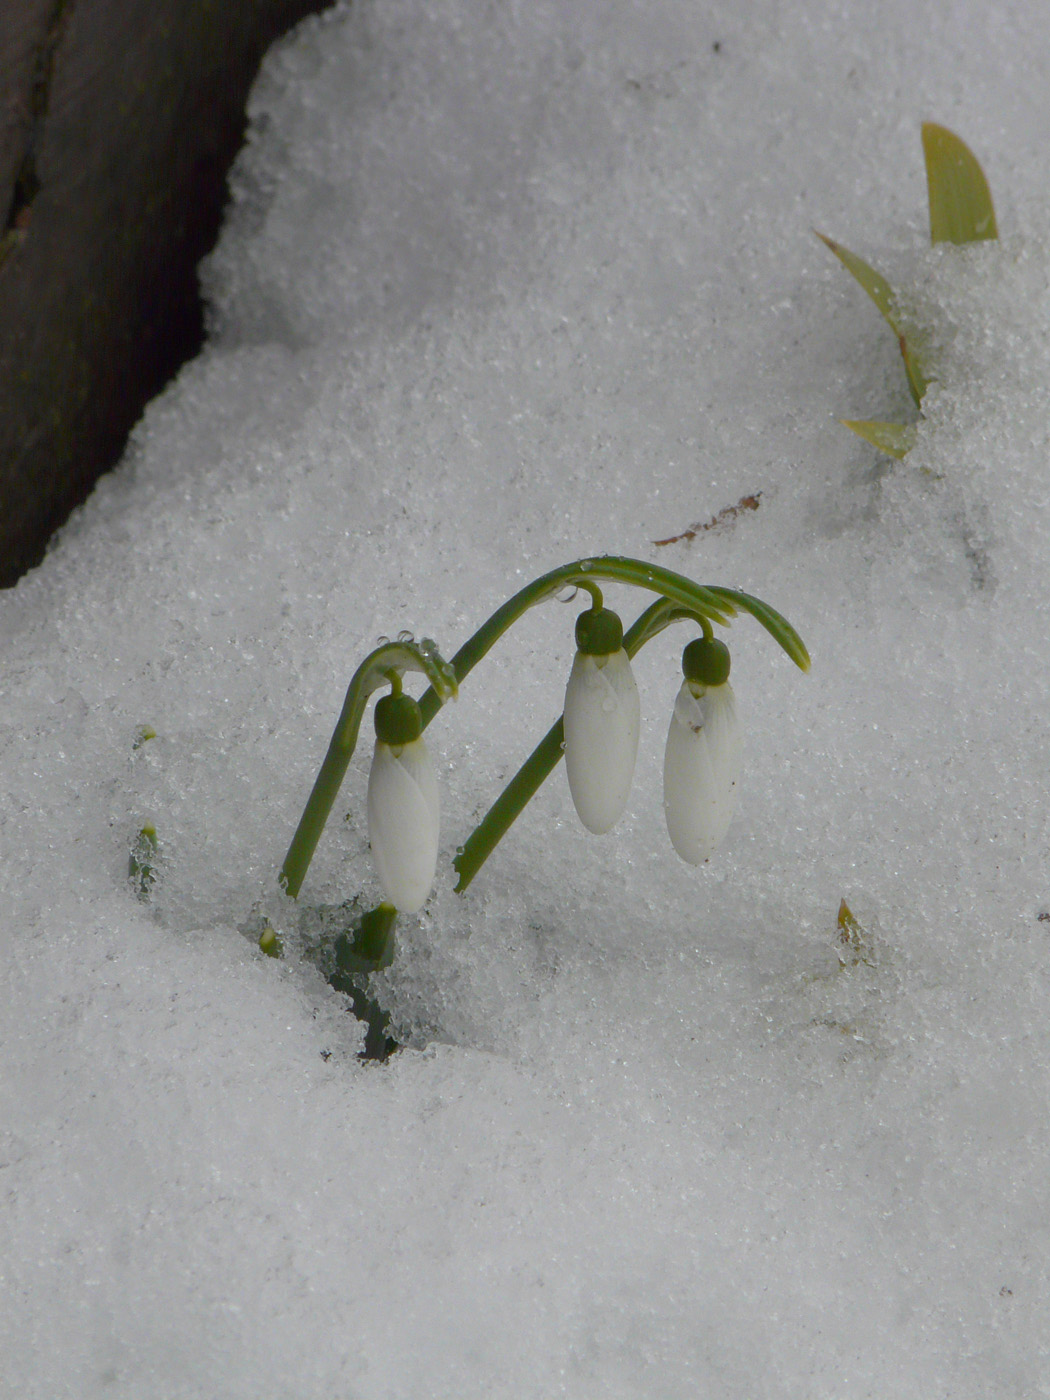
pixel 701 768
pixel 602 723
pixel 404 818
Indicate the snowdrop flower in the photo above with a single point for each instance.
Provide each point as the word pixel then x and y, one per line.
pixel 403 805
pixel 704 749
pixel 602 720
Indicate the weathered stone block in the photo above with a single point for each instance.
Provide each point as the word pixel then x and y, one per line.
pixel 118 122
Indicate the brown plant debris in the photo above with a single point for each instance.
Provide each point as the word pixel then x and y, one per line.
pixel 725 517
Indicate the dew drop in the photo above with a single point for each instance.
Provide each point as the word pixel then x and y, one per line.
pixel 406 636
pixel 567 594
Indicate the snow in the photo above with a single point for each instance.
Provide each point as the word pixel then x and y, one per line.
pixel 502 286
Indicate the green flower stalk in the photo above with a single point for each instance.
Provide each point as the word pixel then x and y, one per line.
pixel 402 799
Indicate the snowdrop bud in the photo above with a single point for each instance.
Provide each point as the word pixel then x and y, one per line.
pixel 403 805
pixel 602 722
pixel 702 758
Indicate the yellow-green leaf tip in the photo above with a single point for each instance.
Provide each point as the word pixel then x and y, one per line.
pixel 895 439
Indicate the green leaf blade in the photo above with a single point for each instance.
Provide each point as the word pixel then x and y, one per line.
pixel 961 209
pixel 882 295
pixel 775 623
pixel 873 282
pixel 917 381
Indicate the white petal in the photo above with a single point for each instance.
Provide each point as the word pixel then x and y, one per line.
pixel 602 722
pixel 701 768
pixel 404 822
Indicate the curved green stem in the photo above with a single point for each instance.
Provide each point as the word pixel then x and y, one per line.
pixel 381 667
pixel 492 828
pixel 583 573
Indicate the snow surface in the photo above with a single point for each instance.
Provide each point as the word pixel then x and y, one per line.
pixel 502 285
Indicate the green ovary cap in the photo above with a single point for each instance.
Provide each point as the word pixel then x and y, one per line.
pixel 599 632
pixel 705 661
pixel 398 719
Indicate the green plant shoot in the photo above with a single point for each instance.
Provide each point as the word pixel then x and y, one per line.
pixel 961 211
pixel 597 735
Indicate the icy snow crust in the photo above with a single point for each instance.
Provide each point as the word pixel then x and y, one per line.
pixel 502 285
